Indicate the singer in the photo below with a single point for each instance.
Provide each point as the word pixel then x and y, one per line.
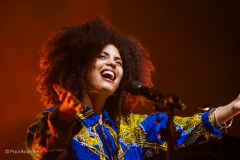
pixel 88 115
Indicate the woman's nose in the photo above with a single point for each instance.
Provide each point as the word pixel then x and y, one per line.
pixel 111 63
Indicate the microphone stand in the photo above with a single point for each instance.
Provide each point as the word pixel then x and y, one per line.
pixel 171 102
pixel 170 107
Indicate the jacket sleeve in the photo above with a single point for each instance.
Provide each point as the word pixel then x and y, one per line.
pixel 189 129
pixel 49 136
pixel 197 128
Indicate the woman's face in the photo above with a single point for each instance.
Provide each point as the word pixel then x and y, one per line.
pixel 107 71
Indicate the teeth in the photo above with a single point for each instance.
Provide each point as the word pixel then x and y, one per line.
pixel 108 72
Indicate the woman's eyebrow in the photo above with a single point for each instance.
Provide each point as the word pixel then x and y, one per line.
pixel 117 57
pixel 105 53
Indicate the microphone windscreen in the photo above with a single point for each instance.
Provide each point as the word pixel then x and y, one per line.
pixel 133 87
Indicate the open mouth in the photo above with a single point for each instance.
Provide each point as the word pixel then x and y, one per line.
pixel 108 75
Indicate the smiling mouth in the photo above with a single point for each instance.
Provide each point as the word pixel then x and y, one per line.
pixel 108 75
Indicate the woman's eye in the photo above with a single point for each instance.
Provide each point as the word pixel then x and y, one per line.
pixel 119 63
pixel 101 57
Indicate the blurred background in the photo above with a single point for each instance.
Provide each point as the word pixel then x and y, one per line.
pixel 194 47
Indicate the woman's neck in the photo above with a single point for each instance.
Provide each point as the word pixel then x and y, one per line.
pixel 95 102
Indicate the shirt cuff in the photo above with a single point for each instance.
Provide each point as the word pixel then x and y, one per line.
pixel 207 123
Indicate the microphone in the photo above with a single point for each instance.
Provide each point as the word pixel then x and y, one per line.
pixel 137 88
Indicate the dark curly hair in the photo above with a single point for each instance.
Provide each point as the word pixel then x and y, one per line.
pixel 72 50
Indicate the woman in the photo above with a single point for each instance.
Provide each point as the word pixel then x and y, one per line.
pixel 83 72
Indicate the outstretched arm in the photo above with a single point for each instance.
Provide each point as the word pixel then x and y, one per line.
pixel 223 114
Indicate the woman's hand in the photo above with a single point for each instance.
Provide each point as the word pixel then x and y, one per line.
pixel 70 104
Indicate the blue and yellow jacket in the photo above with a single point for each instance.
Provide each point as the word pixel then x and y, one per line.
pixel 137 138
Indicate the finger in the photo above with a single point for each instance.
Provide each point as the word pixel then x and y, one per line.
pixel 69 97
pixel 73 104
pixel 79 107
pixel 63 95
pixel 57 89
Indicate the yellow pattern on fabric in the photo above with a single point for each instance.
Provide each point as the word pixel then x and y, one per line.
pixel 91 139
pixel 99 145
pixel 156 146
pixel 134 133
pixel 187 123
pixel 194 125
pixel 40 117
pixel 88 137
pixel 128 131
pixel 114 135
pixel 85 114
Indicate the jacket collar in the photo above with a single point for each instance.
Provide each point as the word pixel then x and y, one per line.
pixel 89 118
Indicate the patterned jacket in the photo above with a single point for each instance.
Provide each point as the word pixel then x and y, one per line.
pixel 85 138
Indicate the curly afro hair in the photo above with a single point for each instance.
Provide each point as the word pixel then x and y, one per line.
pixel 72 50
